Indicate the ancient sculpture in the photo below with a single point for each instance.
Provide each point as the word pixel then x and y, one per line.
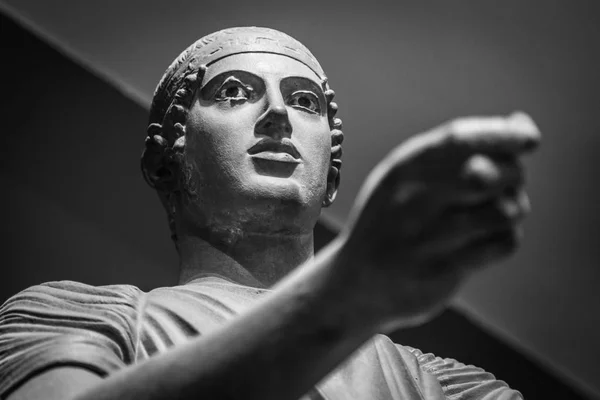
pixel 244 150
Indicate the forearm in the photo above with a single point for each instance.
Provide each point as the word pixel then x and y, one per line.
pixel 278 350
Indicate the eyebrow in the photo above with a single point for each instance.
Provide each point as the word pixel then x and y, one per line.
pixel 315 86
pixel 225 74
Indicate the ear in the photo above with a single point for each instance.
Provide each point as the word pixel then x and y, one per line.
pixel 159 166
pixel 333 176
pixel 333 182
pixel 337 137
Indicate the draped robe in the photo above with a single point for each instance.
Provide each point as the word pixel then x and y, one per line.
pixel 105 328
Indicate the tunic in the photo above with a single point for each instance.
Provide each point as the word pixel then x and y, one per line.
pixel 105 328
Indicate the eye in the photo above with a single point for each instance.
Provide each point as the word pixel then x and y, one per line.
pixel 306 101
pixel 233 89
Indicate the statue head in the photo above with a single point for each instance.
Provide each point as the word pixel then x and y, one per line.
pixel 242 128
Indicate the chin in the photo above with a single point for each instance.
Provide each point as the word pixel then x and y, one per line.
pixel 286 197
pixel 284 190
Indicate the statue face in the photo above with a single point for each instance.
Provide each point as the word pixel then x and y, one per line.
pixel 258 141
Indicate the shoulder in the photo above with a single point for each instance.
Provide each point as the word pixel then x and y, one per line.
pixel 67 306
pixel 64 298
pixel 77 291
pixel 115 290
pixel 67 323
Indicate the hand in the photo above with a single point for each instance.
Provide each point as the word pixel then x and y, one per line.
pixel 439 206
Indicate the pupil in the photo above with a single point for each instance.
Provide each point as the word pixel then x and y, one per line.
pixel 304 102
pixel 231 92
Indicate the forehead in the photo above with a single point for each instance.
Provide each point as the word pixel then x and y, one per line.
pixel 265 65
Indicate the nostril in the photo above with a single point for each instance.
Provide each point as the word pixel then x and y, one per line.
pixel 268 124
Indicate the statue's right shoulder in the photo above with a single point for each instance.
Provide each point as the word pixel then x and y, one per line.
pixel 70 324
pixel 66 294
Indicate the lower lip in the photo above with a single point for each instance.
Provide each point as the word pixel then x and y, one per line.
pixel 279 157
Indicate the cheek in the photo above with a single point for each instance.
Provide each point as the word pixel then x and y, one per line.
pixel 315 139
pixel 318 141
pixel 218 139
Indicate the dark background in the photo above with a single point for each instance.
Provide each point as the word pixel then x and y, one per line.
pixel 74 205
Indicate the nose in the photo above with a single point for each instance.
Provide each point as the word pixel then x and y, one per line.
pixel 274 122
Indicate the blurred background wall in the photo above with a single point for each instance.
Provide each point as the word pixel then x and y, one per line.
pixel 75 205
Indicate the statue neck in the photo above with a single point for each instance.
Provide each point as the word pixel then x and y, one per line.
pixel 258 260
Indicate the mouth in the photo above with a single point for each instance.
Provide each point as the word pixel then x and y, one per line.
pixel 274 150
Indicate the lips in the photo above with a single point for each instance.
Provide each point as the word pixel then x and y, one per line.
pixel 269 149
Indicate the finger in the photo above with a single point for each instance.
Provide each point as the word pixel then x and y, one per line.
pixel 483 178
pixel 481 172
pixel 515 134
pixel 460 226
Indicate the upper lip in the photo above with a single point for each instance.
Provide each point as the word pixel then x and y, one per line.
pixel 275 146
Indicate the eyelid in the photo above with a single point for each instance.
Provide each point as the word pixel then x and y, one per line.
pixel 312 94
pixel 305 91
pixel 233 79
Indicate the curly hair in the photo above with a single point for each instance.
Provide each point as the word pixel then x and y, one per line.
pixel 163 155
